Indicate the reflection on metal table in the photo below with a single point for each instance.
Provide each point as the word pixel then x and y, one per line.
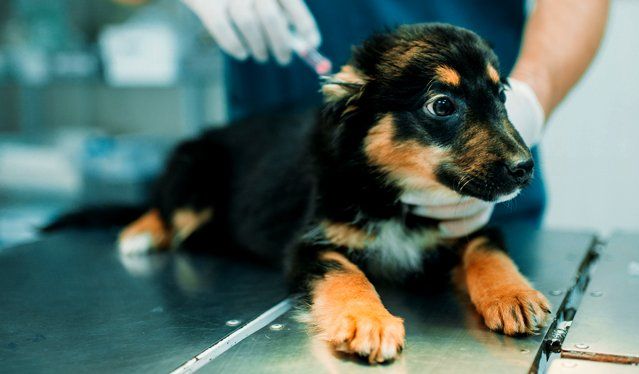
pixel 606 326
pixel 444 333
pixel 69 303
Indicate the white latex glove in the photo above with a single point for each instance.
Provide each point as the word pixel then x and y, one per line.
pixel 463 215
pixel 244 28
pixel 459 216
pixel 525 111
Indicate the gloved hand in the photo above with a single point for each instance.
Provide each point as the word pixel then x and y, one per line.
pixel 257 27
pixel 463 215
pixel 525 111
pixel 459 215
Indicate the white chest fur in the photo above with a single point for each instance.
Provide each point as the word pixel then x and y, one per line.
pixel 396 250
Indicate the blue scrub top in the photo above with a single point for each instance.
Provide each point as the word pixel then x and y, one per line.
pixel 259 88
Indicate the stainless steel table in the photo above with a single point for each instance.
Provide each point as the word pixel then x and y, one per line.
pixel 444 333
pixel 70 303
pixel 606 326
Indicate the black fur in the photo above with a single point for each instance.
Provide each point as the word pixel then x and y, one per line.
pixel 95 216
pixel 419 108
pixel 271 181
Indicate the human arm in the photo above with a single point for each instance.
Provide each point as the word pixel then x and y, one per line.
pixel 560 40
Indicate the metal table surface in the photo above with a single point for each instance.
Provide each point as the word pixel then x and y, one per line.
pixel 444 333
pixel 69 303
pixel 606 326
pixel 572 366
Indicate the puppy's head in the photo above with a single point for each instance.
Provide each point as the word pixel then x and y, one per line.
pixel 428 104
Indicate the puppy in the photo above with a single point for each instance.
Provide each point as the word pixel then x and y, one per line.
pixel 417 110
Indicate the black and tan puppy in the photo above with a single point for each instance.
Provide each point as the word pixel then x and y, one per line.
pixel 420 109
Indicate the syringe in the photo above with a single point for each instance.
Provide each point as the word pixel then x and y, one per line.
pixel 315 60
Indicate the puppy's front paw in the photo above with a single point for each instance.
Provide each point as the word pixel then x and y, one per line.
pixel 514 310
pixel 375 334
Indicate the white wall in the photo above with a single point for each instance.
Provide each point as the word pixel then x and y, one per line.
pixel 591 148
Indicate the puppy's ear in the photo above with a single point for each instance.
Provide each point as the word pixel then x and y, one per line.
pixel 346 83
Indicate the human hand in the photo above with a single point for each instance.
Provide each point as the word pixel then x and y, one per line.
pixel 459 215
pixel 525 111
pixel 244 28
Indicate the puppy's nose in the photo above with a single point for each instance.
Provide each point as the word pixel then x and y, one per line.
pixel 520 171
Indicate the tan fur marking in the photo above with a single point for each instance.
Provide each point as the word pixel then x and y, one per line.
pixel 408 163
pixel 350 315
pixel 448 75
pixel 477 153
pixel 152 224
pixel 492 73
pixel 346 235
pixel 348 74
pixel 185 221
pixel 398 57
pixel 500 293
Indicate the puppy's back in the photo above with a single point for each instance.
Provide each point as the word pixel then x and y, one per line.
pixel 267 178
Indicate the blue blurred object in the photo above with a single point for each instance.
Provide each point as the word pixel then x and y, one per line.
pixel 36 29
pixel 120 169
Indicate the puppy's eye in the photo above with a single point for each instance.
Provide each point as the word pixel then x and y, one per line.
pixel 502 95
pixel 440 106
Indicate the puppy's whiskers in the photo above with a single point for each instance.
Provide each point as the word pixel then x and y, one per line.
pixel 465 180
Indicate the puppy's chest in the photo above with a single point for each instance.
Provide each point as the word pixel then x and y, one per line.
pixel 397 250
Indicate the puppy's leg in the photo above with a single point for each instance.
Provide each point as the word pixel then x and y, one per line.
pixel 184 198
pixel 152 232
pixel 349 313
pixel 503 296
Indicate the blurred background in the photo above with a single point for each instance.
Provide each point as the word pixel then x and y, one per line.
pixel 93 94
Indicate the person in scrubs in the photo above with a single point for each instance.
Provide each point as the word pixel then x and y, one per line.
pixel 545 46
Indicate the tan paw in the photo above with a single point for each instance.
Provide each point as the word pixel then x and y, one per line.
pixel 379 335
pixel 514 311
pixel 144 235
